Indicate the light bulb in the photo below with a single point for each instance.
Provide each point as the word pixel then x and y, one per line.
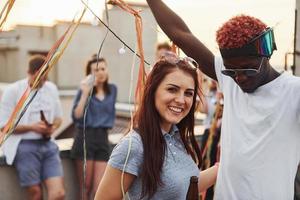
pixel 122 50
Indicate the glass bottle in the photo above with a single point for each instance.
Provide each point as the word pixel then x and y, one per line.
pixel 193 193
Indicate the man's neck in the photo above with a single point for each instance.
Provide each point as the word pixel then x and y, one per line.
pixel 271 75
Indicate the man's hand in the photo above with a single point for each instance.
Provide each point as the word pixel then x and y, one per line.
pixel 42 128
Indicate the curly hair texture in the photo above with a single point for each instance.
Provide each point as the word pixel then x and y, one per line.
pixel 238 31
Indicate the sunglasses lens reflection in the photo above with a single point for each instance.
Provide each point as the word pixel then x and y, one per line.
pixel 233 73
pixel 250 72
pixel 265 44
pixel 229 72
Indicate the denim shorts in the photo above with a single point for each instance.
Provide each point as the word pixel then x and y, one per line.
pixel 97 146
pixel 36 161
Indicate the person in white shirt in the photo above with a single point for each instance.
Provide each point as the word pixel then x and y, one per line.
pixel 30 148
pixel 260 142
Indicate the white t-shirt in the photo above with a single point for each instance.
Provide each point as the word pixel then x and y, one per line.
pixel 260 142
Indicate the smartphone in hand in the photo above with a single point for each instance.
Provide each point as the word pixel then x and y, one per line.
pixel 90 79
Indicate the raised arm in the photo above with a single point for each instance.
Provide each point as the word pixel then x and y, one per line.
pixel 179 33
pixel 85 90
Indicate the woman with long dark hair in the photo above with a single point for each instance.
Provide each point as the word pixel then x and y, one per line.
pixel 99 117
pixel 157 158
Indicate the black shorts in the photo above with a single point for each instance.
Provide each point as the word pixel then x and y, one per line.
pixel 97 146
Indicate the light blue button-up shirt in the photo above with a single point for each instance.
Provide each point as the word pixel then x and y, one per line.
pixel 177 169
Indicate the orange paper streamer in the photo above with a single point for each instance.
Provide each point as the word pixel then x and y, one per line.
pixel 6 9
pixel 139 29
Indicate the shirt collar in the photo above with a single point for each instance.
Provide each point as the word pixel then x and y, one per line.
pixel 174 130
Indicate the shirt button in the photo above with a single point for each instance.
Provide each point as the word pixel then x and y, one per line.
pixel 174 153
pixel 170 144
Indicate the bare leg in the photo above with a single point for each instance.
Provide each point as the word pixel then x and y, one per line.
pixel 88 178
pixel 34 192
pixel 99 168
pixel 55 188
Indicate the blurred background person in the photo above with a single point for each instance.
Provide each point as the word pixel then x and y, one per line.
pixel 161 48
pixel 30 148
pixel 211 148
pixel 100 117
pixel 212 106
pixel 208 107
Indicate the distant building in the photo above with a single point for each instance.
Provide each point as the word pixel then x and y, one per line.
pixel 17 45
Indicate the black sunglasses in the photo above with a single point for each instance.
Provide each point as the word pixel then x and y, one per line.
pixel 247 72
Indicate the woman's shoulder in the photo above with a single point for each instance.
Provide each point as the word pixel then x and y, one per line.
pixel 113 89
pixel 133 136
pixel 129 152
pixel 112 86
pixel 132 139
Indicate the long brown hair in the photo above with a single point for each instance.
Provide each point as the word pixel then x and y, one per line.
pixel 147 123
pixel 88 71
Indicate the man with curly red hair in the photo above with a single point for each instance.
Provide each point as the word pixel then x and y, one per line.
pixel 260 143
